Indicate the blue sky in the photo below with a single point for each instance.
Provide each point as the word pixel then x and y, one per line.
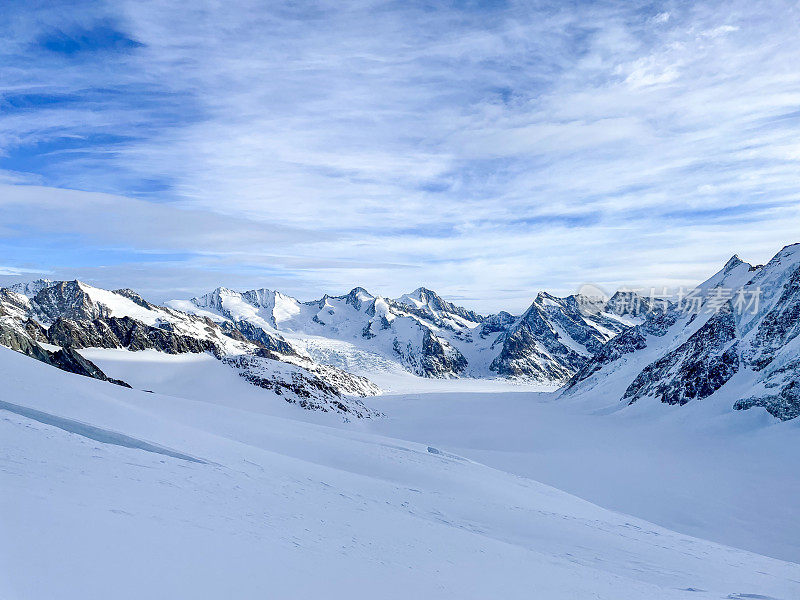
pixel 484 149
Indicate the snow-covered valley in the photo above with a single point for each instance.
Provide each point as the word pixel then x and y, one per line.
pixel 207 487
pixel 704 470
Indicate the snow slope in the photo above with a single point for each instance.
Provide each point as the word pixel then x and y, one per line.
pixel 273 507
pixel 702 469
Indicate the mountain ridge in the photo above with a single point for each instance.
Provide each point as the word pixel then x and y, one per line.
pixel 628 348
pixel 740 344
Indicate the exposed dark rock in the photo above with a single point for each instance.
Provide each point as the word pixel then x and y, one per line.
pixel 437 359
pixel 695 369
pixel 65 359
pixel 230 330
pixel 258 336
pixel 437 303
pixel 626 342
pixel 494 323
pixel 353 298
pixel 66 300
pixel 113 332
pixel 532 348
pixel 35 330
pixel 566 313
pixel 778 327
pixel 299 386
pixel 658 322
pixel 82 334
pixel 13 303
pixel 627 303
pixel 21 342
pixel 785 404
pixel 133 296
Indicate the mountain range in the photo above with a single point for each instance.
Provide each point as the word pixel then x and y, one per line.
pixel 735 337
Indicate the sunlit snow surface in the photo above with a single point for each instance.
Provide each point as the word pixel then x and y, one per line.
pixel 292 504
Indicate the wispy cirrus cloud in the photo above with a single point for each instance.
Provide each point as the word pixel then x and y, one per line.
pixel 478 148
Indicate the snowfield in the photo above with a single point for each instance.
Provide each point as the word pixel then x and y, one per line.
pixel 110 492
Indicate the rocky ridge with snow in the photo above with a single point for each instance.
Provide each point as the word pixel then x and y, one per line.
pixel 739 344
pixel 425 334
pixel 53 321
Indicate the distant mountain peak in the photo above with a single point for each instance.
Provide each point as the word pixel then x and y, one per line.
pixel 422 292
pixel 424 298
pixel 358 295
pixel 733 262
pixel 31 288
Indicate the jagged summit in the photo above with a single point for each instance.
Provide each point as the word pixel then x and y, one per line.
pixel 213 297
pixel 360 292
pixel 30 288
pixel 358 296
pixel 426 299
pixel 735 272
pixel 733 261
pixel 420 331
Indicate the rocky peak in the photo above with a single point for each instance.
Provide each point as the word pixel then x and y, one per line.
pixel 213 299
pixel 627 303
pixel 695 369
pixel 261 298
pixel 14 304
pixel 31 288
pixel 69 300
pixel 494 323
pixel 357 297
pixel 545 298
pixel 426 299
pixel 733 262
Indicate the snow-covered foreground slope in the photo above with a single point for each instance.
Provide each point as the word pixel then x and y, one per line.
pixel 702 470
pixel 113 492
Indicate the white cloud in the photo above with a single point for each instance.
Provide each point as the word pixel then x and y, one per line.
pixel 720 31
pixel 661 17
pixel 325 145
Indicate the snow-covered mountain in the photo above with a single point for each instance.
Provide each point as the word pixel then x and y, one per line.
pixel 409 334
pixel 53 321
pixel 735 340
pixel 735 337
pixel 31 288
pixel 206 466
pixel 421 332
pixel 358 332
pixel 555 337
pixel 431 304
